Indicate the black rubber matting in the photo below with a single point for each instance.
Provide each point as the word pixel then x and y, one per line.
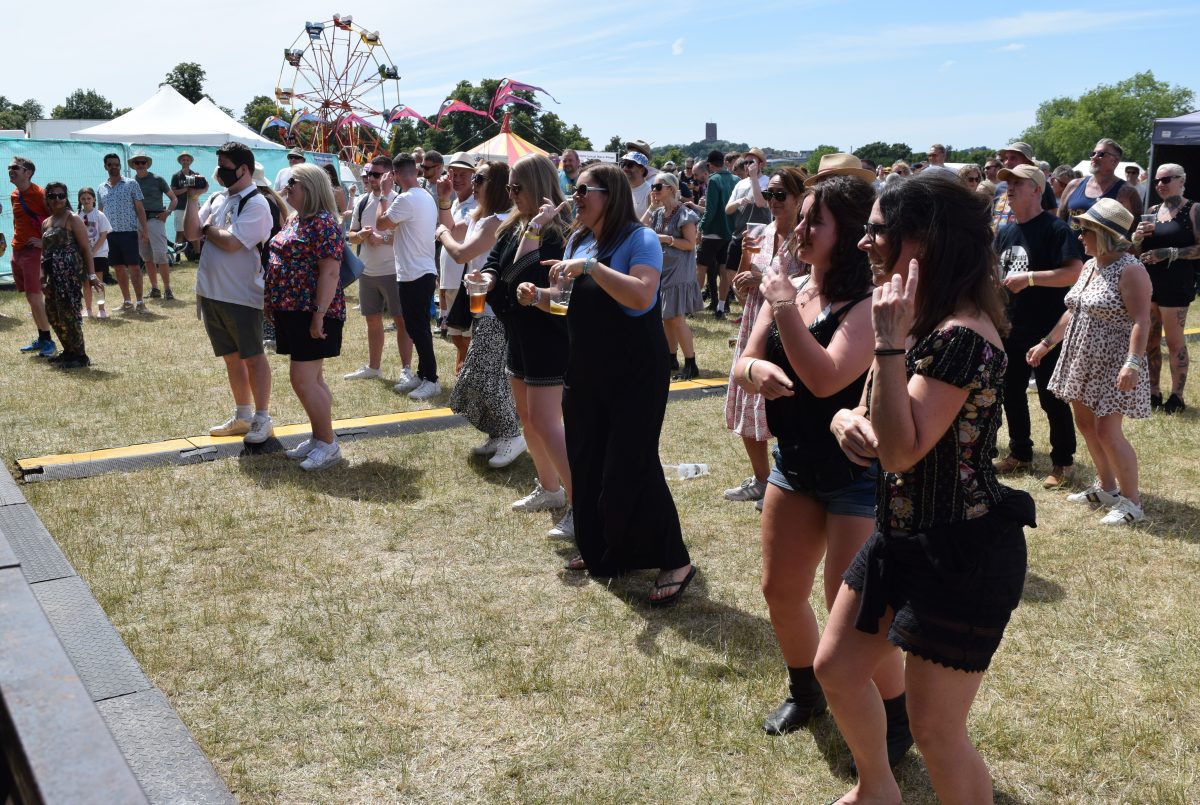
pixel 104 663
pixel 10 493
pixel 160 750
pixel 40 557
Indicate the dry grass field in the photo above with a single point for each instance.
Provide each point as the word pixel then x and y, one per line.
pixel 391 632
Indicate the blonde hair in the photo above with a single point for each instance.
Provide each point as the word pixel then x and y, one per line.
pixel 538 177
pixel 318 193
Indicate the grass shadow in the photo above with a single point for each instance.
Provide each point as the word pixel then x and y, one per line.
pixel 1171 519
pixel 518 476
pixel 110 322
pixel 1041 591
pixel 8 323
pixel 369 481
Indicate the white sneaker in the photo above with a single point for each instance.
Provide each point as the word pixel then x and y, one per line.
pixel 322 457
pixel 1125 512
pixel 261 429
pixel 541 500
pixel 487 448
pixel 758 504
pixel 751 489
pixel 1095 496
pixel 408 381
pixel 230 427
pixel 362 373
pixel 507 451
pixel 302 450
pixel 427 389
pixel 565 528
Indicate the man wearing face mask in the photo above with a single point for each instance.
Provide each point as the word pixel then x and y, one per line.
pixel 229 286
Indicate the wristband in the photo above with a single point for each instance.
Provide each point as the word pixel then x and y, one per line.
pixel 588 265
pixel 750 366
pixel 783 303
pixel 321 310
pixel 1045 342
pixel 1031 282
pixel 883 353
pixel 537 297
pixel 91 276
pixel 1133 361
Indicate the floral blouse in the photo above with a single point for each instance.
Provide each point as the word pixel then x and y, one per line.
pixel 291 278
pixel 955 480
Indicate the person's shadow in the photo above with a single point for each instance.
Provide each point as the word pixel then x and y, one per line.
pixel 367 481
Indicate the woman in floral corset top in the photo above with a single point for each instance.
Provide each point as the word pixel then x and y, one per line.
pixel 945 567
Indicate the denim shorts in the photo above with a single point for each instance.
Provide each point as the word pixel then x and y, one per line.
pixel 856 499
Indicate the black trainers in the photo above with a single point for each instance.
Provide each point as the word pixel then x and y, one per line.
pixel 1174 405
pixel 155 293
pixel 1155 402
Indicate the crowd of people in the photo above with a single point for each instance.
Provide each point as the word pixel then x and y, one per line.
pixel 890 318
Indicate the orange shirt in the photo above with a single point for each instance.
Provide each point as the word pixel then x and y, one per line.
pixel 24 225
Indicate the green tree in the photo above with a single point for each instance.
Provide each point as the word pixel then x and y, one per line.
pixel 814 161
pixel 188 80
pixel 84 105
pixel 615 144
pixel 882 153
pixel 976 155
pixel 16 115
pixel 673 154
pixel 1066 129
pixel 259 108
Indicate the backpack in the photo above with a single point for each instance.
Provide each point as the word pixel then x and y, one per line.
pixel 276 223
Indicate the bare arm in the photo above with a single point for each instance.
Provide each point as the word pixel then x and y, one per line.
pixel 826 371
pixel 79 230
pixel 635 290
pixel 1062 277
pixel 478 244
pixel 755 374
pixel 1135 293
pixel 1063 212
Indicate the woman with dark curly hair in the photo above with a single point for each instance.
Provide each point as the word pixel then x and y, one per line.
pixel 808 355
pixel 66 258
pixel 945 567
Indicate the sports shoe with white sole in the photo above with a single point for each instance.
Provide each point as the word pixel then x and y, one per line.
pixel 751 489
pixel 487 448
pixel 261 429
pixel 507 451
pixel 302 450
pixel 1125 512
pixel 362 373
pixel 231 427
pixel 322 457
pixel 564 528
pixel 427 389
pixel 540 500
pixel 1095 496
pixel 408 382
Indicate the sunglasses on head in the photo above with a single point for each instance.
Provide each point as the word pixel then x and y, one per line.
pixel 56 196
pixel 479 178
pixel 777 195
pixel 583 189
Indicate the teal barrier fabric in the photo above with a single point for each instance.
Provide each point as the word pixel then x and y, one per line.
pixel 80 163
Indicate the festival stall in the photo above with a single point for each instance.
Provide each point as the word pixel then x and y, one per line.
pixel 1177 139
pixel 505 146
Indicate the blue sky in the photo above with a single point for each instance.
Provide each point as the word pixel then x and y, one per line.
pixel 784 74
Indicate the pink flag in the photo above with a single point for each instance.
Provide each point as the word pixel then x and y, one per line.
pixel 402 111
pixel 450 105
pixel 506 93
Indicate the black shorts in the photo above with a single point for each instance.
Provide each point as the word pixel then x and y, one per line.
pixel 733 255
pixel 123 249
pixel 1172 284
pixel 292 336
pixel 537 355
pixel 713 252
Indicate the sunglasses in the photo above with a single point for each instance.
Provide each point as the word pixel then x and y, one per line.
pixel 56 196
pixel 137 162
pixel 657 188
pixel 12 168
pixel 292 182
pixel 1099 154
pixel 777 195
pixel 873 231
pixel 583 189
pixel 430 167
pixel 1159 180
pixel 376 174
pixel 479 178
pixel 975 179
pixel 513 188
pixel 294 158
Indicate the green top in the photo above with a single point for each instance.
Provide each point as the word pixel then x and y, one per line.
pixel 154 188
pixel 714 221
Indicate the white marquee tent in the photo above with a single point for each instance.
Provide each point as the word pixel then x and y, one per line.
pixel 168 118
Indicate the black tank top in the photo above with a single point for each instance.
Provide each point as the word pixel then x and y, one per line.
pixel 1081 202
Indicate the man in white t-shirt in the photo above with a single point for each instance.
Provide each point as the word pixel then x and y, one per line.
pixel 294 158
pixel 229 285
pixel 747 204
pixel 937 161
pixel 412 217
pixel 636 166
pixel 378 290
pixel 456 202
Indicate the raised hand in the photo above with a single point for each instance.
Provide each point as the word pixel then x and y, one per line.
pixel 893 308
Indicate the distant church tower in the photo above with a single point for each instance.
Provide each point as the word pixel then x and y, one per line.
pixel 710 132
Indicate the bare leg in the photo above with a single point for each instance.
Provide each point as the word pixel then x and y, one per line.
pixel 793 543
pixel 724 283
pixel 37 306
pixel 259 372
pixel 374 340
pixel 165 270
pixel 545 412
pixel 1122 458
pixel 760 461
pixel 404 343
pixel 939 699
pixel 1154 348
pixel 670 330
pixel 535 440
pixel 680 333
pixel 1174 319
pixel 309 384
pixel 239 379
pixel 1086 421
pixel 123 281
pixel 461 343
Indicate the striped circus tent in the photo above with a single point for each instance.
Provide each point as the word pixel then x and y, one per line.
pixel 505 146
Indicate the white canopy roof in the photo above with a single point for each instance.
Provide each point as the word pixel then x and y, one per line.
pixel 168 118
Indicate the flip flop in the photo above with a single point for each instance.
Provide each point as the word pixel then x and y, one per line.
pixel 682 584
pixel 575 564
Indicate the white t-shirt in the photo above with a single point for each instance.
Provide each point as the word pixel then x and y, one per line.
pixel 96 223
pixel 415 213
pixel 641 198
pixel 234 277
pixel 378 260
pixel 932 169
pixel 281 179
pixel 452 272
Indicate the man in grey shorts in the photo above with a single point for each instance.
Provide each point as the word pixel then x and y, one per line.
pixel 377 289
pixel 229 283
pixel 153 249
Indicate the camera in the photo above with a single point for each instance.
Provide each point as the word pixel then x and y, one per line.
pixel 195 181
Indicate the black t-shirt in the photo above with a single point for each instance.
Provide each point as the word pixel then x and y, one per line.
pixel 1044 243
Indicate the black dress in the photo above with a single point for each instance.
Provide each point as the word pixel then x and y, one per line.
pixel 1173 284
pixel 614 401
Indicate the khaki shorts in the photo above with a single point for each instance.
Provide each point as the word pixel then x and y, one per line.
pixel 379 295
pixel 232 328
pixel 156 250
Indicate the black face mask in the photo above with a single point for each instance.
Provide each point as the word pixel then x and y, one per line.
pixel 228 177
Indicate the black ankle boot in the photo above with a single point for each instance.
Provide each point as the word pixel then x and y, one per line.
pixel 674 362
pixel 806 700
pixel 899 738
pixel 690 369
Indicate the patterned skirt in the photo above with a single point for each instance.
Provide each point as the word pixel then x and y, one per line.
pixel 482 394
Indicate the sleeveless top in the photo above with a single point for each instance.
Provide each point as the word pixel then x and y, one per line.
pixel 1081 202
pixel 1176 233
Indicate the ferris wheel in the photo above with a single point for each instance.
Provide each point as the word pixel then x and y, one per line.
pixel 336 85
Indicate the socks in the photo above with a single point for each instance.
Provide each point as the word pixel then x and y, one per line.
pixel 243 411
pixel 44 335
pixel 259 414
pixel 721 306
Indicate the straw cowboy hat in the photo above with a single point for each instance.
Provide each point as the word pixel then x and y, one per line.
pixel 840 165
pixel 140 155
pixel 1107 214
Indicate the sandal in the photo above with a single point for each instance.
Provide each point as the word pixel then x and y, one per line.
pixel 575 564
pixel 668 600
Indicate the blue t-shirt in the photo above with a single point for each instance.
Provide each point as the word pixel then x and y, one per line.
pixel 640 248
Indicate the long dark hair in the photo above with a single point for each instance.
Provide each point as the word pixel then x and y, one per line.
pixel 619 216
pixel 51 185
pixel 848 200
pixel 953 225
pixel 495 195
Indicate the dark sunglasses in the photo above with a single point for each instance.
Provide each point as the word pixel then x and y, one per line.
pixel 583 189
pixel 292 182
pixel 778 195
pixel 15 168
pixel 139 162
pixel 1159 180
pixel 430 167
pixel 657 188
pixel 975 179
pixel 479 178
pixel 873 231
pixel 513 188
pixel 376 174
pixel 294 158
pixel 1098 154
pixel 56 196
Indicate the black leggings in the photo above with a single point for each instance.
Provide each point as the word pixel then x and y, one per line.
pixel 415 296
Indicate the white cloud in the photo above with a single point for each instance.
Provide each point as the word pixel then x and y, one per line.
pixel 946 65
pixel 677 47
pixel 1011 48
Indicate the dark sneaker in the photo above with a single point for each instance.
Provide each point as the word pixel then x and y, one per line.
pixel 155 293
